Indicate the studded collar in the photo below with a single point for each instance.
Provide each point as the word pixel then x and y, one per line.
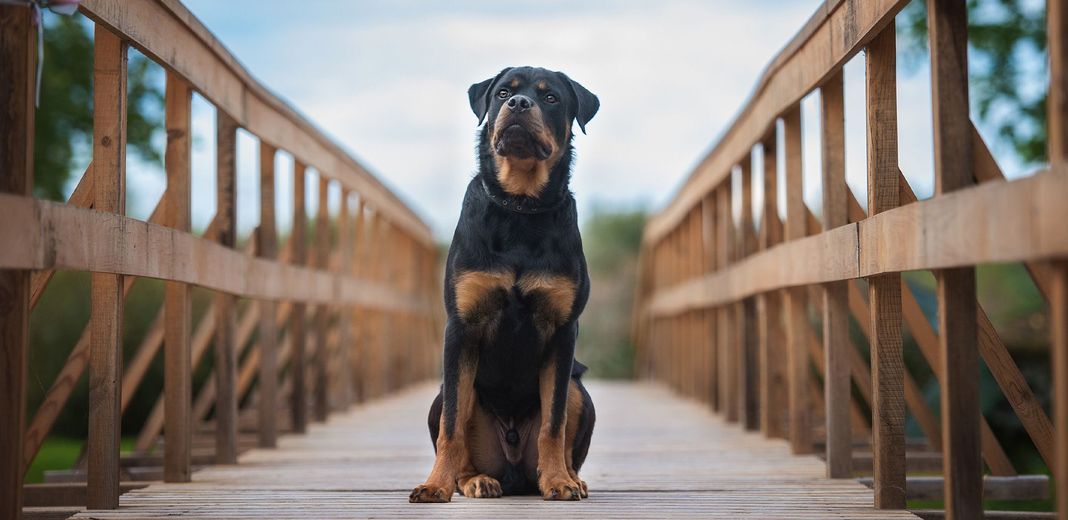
pixel 521 203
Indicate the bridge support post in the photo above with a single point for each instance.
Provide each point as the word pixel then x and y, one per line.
pixel 18 51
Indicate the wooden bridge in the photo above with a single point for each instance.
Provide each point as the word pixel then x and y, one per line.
pixel 323 351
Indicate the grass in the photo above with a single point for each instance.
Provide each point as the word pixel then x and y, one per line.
pixel 62 453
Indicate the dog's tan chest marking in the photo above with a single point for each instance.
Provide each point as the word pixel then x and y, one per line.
pixel 479 292
pixel 557 299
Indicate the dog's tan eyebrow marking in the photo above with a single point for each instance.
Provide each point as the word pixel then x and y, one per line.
pixel 514 83
pixel 542 85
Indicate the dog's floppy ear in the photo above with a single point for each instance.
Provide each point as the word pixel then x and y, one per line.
pixel 478 95
pixel 586 104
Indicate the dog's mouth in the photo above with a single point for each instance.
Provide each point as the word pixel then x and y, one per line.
pixel 519 142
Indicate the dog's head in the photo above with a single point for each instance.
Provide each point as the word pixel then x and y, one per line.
pixel 529 113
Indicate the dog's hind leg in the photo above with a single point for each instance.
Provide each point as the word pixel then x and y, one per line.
pixel 580 419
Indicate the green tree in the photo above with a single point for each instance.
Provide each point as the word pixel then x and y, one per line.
pixel 1004 37
pixel 64 125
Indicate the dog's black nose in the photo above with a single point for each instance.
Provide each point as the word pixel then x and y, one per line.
pixel 519 103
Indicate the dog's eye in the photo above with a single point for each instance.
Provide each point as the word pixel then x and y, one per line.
pixel 550 98
pixel 502 93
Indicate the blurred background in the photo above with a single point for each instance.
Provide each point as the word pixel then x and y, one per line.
pixel 388 80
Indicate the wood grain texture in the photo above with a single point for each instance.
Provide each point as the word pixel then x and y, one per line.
pixel 799 429
pixel 1059 360
pixel 772 339
pixel 298 406
pixel 748 396
pixel 178 377
pixel 267 247
pixel 105 343
pixel 835 307
pixel 226 346
pixel 884 292
pixel 953 159
pixel 655 455
pixel 17 65
pixel 320 382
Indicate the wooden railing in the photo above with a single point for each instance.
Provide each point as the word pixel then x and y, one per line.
pixel 723 308
pixel 353 317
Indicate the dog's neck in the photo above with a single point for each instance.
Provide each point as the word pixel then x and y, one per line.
pixel 550 196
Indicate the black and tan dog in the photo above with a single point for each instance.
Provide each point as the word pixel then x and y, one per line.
pixel 513 416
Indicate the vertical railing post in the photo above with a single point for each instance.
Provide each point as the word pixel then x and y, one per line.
pixel 178 378
pixel 359 325
pixel 745 310
pixel 728 359
pixel 105 347
pixel 769 306
pixel 798 402
pixel 18 51
pixel 343 309
pixel 709 339
pixel 884 291
pixel 298 406
pixel 225 304
pixel 1057 19
pixel 958 338
pixel 267 246
pixel 320 387
pixel 836 383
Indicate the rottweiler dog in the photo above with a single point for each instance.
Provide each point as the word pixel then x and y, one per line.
pixel 513 416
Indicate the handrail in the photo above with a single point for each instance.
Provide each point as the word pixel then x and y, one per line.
pixel 726 321
pixel 372 271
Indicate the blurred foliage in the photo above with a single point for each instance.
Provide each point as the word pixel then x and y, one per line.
pixel 1000 32
pixel 611 241
pixel 64 125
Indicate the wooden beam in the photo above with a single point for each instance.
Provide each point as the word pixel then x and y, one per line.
pixel 320 384
pixel 105 346
pixel 267 242
pixel 948 25
pixel 345 246
pixel 178 377
pixel 1057 120
pixel 772 349
pixel 745 310
pixel 18 51
pixel 298 405
pixel 884 292
pixel 226 346
pixel 794 302
pixel 836 387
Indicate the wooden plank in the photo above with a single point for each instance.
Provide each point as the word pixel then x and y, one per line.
pixel 836 387
pixel 843 33
pixel 1057 121
pixel 1059 360
pixel 170 34
pixel 17 111
pixel 65 494
pixel 298 405
pixel 948 23
pixel 267 240
pixel 799 429
pixel 83 240
pixel 320 384
pixel 745 311
pixel 226 345
pixel 884 291
pixel 81 197
pixel 728 353
pixel 105 344
pixel 709 231
pixel 947 231
pixel 771 336
pixel 1024 487
pixel 178 377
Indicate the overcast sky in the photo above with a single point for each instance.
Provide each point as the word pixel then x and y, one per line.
pixel 387 79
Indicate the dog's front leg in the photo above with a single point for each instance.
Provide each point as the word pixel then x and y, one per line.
pixel 554 482
pixel 452 459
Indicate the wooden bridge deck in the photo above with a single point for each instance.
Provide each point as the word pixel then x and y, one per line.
pixel 653 455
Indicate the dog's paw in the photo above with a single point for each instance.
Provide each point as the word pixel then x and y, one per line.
pixel 584 491
pixel 431 493
pixel 559 487
pixel 480 486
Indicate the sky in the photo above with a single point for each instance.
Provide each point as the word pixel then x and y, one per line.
pixel 387 79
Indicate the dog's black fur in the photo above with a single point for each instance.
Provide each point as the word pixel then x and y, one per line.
pixel 522 234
